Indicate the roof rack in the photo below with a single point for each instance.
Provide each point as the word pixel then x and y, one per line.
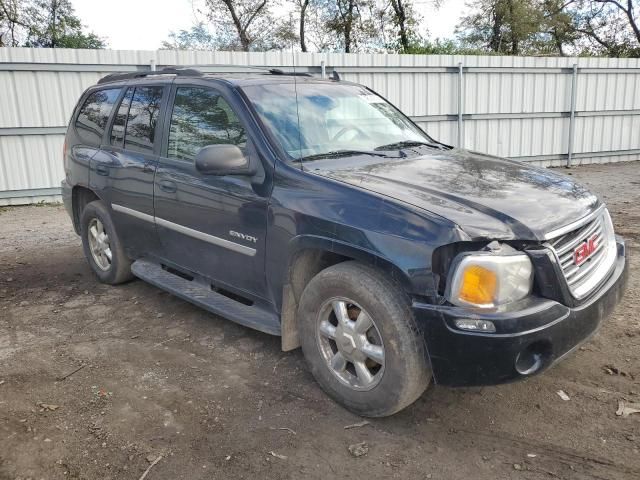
pixel 192 72
pixel 180 72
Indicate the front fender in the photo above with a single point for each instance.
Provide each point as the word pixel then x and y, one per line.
pixel 342 248
pixel 309 211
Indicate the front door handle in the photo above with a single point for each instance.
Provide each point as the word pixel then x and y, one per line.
pixel 168 186
pixel 102 170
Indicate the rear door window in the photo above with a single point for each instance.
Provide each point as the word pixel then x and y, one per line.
pixel 201 117
pixel 143 116
pixel 94 115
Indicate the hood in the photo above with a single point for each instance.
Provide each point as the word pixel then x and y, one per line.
pixel 487 197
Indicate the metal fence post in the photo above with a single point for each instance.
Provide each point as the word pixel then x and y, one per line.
pixel 323 69
pixel 572 114
pixel 152 64
pixel 460 106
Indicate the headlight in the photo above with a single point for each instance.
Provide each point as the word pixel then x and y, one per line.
pixel 490 278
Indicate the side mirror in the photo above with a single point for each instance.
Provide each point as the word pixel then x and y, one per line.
pixel 224 159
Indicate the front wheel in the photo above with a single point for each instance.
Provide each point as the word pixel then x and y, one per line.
pixel 102 246
pixel 361 341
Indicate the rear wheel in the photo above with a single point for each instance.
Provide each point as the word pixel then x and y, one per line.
pixel 102 246
pixel 361 341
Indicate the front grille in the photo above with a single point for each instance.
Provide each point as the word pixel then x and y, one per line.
pixel 584 277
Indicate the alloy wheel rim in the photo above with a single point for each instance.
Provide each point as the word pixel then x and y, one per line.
pixel 99 244
pixel 350 344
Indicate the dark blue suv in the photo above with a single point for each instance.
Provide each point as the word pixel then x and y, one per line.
pixel 315 210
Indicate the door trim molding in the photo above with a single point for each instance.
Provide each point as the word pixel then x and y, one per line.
pixel 205 237
pixel 134 213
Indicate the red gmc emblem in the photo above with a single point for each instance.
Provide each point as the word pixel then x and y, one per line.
pixel 585 250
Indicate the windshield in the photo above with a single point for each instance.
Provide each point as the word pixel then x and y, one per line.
pixel 333 119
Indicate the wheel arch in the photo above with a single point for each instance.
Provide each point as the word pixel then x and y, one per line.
pixel 308 256
pixel 80 197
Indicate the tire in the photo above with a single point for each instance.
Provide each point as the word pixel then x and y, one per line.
pixel 112 271
pixel 396 378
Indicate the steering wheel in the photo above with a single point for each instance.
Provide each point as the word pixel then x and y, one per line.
pixel 350 128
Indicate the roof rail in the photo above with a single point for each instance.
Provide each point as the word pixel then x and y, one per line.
pixel 277 71
pixel 192 72
pixel 232 69
pixel 180 72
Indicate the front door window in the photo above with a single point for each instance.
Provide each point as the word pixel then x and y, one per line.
pixel 201 117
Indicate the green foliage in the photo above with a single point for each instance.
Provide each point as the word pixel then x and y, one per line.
pixel 494 27
pixel 510 27
pixel 552 27
pixel 351 21
pixel 43 23
pixel 198 38
pixel 248 25
pixel 12 24
pixel 607 27
pixel 441 47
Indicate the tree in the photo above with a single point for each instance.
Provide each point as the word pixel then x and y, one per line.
pixel 54 24
pixel 608 27
pixel 515 27
pixel 405 21
pixel 248 25
pixel 197 38
pixel 12 24
pixel 303 5
pixel 559 23
pixel 313 31
pixel 629 11
pixel 357 25
pixel 347 12
pixel 553 27
pixel 243 14
pixel 503 26
pixel 424 46
pixel 43 23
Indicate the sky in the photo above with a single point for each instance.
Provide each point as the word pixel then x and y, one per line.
pixel 148 22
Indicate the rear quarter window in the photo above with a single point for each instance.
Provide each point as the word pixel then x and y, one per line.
pixel 94 115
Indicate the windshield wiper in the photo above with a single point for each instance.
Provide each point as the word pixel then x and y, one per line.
pixel 340 153
pixel 409 143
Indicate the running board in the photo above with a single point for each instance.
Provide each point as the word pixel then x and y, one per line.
pixel 201 295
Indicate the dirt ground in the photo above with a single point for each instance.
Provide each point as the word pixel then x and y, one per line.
pixel 160 377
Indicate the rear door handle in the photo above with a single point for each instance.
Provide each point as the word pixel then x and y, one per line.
pixel 167 186
pixel 102 170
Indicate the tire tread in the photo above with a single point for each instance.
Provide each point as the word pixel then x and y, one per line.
pixel 383 292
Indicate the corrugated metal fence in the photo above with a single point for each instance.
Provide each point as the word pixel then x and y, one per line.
pixel 551 111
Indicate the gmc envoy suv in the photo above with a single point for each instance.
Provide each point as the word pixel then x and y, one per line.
pixel 315 210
